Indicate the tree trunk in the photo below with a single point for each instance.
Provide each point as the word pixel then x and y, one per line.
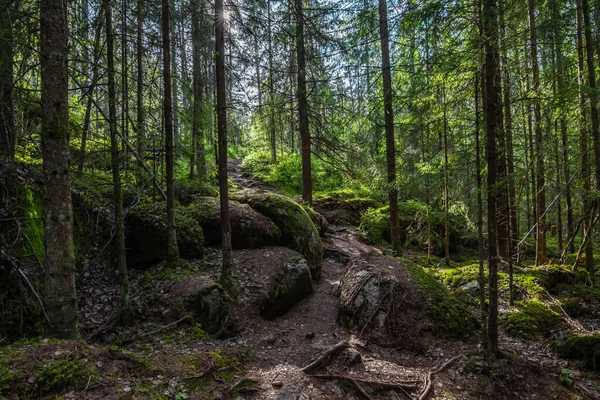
pixel 510 197
pixel 589 50
pixel 481 277
pixel 198 155
pixel 562 93
pixel 61 296
pixel 90 94
pixel 114 146
pixel 493 127
pixel 172 249
pixel 587 214
pixel 7 110
pixel 446 187
pixel 390 145
pixel 226 272
pixel 140 131
pixel 540 239
pixel 272 136
pixel 303 106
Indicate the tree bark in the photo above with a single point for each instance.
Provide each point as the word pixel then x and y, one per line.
pixel 114 146
pixel 587 214
pixel 198 152
pixel 540 239
pixel 7 110
pixel 61 296
pixel 226 272
pixel 140 131
pixel 589 50
pixel 390 145
pixel 303 106
pixel 172 249
pixel 493 126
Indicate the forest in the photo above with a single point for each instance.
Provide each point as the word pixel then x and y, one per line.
pixel 307 199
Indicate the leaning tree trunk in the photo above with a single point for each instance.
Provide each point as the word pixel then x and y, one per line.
pixel 303 106
pixel 61 296
pixel 7 111
pixel 226 273
pixel 172 249
pixel 114 147
pixel 390 146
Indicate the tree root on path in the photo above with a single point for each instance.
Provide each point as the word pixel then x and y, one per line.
pixel 402 386
pixel 334 350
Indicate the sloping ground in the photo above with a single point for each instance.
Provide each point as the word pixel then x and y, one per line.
pixel 167 357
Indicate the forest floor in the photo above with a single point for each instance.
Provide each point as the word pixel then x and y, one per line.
pixel 167 358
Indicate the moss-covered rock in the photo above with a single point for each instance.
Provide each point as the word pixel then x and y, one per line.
pixel 297 230
pixel 534 318
pixel 450 316
pixel 208 303
pixel 291 284
pixel 343 206
pixel 318 219
pixel 249 228
pixel 579 347
pixel 146 234
pixel 186 190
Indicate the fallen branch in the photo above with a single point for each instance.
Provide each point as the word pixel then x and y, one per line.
pixel 334 350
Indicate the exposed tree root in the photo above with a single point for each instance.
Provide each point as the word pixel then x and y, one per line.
pixel 334 350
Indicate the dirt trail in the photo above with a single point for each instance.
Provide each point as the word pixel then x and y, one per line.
pixel 276 351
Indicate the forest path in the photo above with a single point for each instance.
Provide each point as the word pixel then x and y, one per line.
pixel 282 347
pixel 244 179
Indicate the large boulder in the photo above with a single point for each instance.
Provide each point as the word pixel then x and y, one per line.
pixel 272 280
pixel 297 230
pixel 146 234
pixel 341 207
pixel 249 228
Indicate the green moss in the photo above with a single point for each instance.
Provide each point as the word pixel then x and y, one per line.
pixel 199 333
pixel 146 234
pixel 29 210
pixel 297 230
pixel 533 318
pixel 60 374
pixel 186 190
pixel 579 347
pixel 450 316
pixel 173 271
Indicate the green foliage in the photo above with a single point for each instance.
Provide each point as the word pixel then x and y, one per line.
pixel 286 174
pixel 452 318
pixel 420 227
pixel 533 318
pixel 566 377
